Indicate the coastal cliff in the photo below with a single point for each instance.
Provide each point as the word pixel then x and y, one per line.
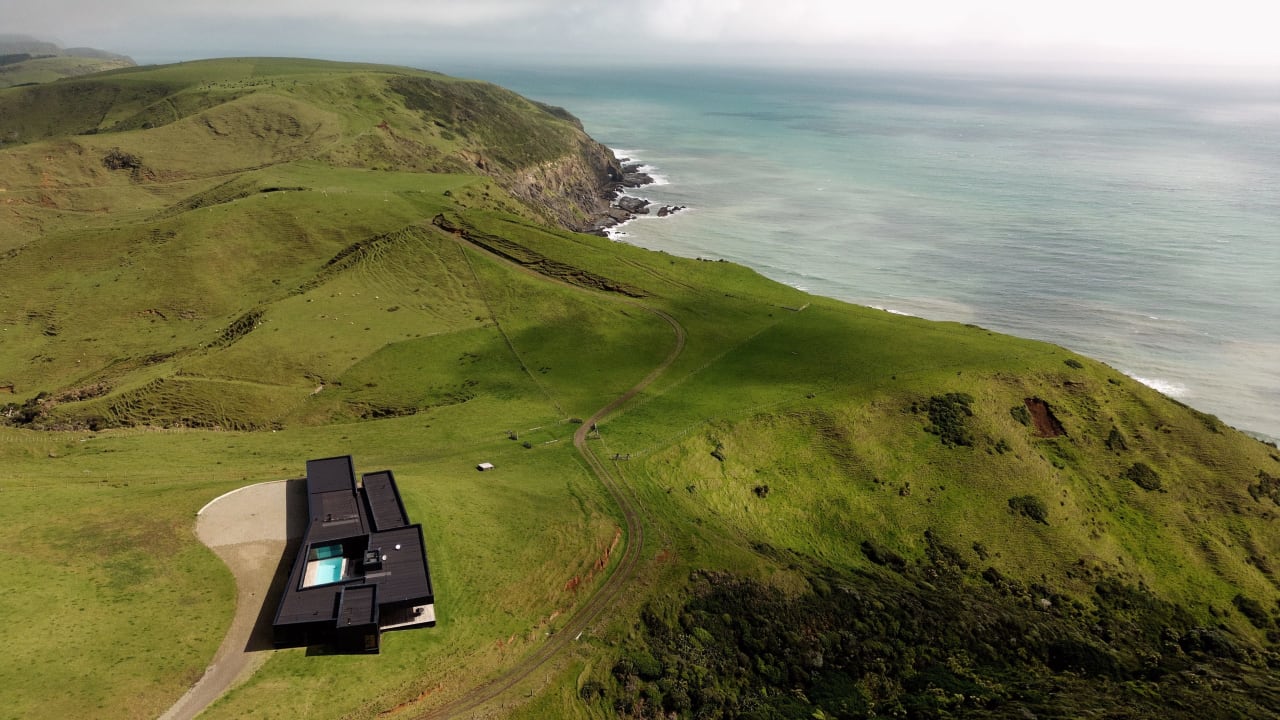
pixel 575 189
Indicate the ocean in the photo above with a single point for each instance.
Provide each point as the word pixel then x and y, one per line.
pixel 1136 223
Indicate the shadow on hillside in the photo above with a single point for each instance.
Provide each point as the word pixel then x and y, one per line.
pixel 295 525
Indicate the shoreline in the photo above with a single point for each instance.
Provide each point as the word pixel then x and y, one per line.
pixel 623 208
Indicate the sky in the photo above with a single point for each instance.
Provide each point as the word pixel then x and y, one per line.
pixel 1176 36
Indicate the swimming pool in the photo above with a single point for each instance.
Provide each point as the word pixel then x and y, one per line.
pixel 328 551
pixel 326 564
pixel 329 570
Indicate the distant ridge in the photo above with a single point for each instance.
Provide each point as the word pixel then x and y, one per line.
pixel 26 60
pixel 14 43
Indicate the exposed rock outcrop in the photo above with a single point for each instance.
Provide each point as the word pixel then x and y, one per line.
pixel 632 177
pixel 633 205
pixel 574 190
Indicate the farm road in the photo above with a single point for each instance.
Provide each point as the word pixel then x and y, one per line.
pixel 250 529
pixel 607 593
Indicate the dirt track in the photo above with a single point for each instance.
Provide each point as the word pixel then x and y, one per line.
pixel 250 529
pixel 607 593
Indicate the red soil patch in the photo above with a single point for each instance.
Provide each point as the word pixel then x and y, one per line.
pixel 601 563
pixel 1046 423
pixel 404 705
pixel 604 559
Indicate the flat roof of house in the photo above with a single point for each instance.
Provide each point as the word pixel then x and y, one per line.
pixel 385 506
pixel 358 605
pixel 359 519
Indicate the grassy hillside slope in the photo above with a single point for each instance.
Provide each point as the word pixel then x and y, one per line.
pixel 24 60
pixel 217 270
pixel 49 69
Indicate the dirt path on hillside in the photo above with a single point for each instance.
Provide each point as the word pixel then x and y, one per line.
pixel 250 529
pixel 608 591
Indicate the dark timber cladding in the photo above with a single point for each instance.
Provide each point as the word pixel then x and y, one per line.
pixel 361 568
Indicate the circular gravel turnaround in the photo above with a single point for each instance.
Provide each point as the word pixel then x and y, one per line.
pixel 250 529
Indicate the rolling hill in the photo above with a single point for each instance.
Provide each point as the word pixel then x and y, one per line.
pixel 217 270
pixel 25 60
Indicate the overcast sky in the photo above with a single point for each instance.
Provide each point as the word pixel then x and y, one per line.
pixel 1197 36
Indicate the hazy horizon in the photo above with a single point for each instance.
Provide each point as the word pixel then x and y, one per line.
pixel 1134 38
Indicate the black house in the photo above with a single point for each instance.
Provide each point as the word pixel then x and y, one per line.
pixel 361 568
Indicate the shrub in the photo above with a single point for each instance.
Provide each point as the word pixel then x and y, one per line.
pixel 1267 486
pixel 1073 363
pixel 591 690
pixel 1021 414
pixel 1068 654
pixel 1142 475
pixel 1253 610
pixel 1030 506
pixel 948 414
pixel 646 665
pixel 980 549
pixel 1115 441
pixel 117 159
pixel 881 555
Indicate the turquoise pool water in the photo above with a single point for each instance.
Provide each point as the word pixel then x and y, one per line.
pixel 328 551
pixel 328 570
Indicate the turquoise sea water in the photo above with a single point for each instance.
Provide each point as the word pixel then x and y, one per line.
pixel 1135 223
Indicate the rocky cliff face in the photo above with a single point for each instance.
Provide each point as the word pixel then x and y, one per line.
pixel 573 190
pixel 538 152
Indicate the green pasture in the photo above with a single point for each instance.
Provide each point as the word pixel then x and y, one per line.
pixel 267 284
pixel 49 69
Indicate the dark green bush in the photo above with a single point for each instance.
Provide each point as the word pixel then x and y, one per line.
pixel 1021 414
pixel 1115 441
pixel 1069 654
pixel 591 690
pixel 1030 506
pixel 881 555
pixel 646 665
pixel 1253 610
pixel 1143 476
pixel 949 415
pixel 1267 486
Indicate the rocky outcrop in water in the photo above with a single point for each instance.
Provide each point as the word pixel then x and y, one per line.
pixel 632 177
pixel 629 174
pixel 633 205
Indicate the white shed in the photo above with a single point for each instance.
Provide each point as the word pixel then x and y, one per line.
pixel 484 466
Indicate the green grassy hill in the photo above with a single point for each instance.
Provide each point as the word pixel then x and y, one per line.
pixel 216 270
pixel 24 60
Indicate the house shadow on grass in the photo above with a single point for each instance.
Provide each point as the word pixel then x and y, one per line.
pixel 295 509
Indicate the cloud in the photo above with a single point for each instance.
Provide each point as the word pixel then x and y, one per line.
pixel 1150 31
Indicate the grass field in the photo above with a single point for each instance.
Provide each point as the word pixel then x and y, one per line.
pixel 263 281
pixel 49 69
